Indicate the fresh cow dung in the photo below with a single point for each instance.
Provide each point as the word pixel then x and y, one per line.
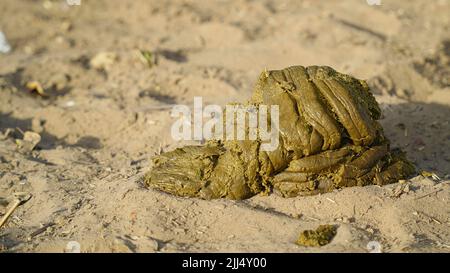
pixel 328 138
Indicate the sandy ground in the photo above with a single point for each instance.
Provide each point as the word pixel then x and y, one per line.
pixel 107 112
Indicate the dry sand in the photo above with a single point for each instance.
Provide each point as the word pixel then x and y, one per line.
pixel 107 114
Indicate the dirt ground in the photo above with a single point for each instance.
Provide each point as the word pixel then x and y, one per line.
pixel 107 111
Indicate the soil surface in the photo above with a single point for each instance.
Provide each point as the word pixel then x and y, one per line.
pixel 106 111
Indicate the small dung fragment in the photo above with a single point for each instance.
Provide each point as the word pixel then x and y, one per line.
pixel 319 237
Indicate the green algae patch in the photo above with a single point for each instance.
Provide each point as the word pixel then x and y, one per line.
pixel 319 237
pixel 328 138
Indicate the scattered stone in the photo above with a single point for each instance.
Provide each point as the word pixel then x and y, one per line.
pixel 29 141
pixel 103 60
pixel 400 189
pixel 297 215
pixel 69 103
